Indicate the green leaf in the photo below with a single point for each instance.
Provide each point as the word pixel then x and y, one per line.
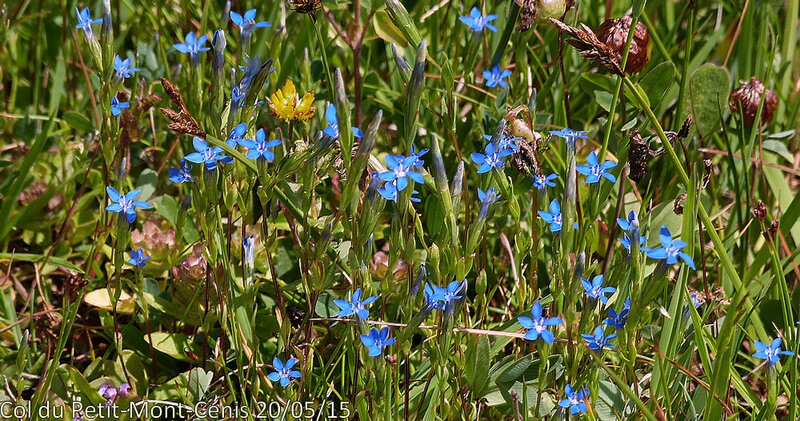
pixel 147 182
pixel 478 369
pixel 657 81
pixel 326 307
pixel 77 121
pixel 515 370
pixel 173 344
pixel 36 258
pixel 709 87
pixel 387 30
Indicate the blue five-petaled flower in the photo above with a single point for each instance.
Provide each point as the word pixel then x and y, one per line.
pixel 401 168
pixel 671 250
pixel 570 135
pixel 597 341
pixel 125 203
pixel 772 352
pixel 181 174
pixel 123 68
pixel 192 45
pixel 209 155
pixel 491 158
pixel 505 142
pixel 455 291
pixel 594 170
pixel 138 259
pixel 333 124
pixel 247 23
pixel 356 305
pixel 117 107
pixel 538 325
pixel 553 217
pixel 630 225
pixel 237 133
pixel 541 181
pixel 283 372
pixel 574 400
pixel 85 21
pixel 476 21
pixel 260 148
pixel 377 340
pixel 618 320
pixel 495 76
pixel 596 290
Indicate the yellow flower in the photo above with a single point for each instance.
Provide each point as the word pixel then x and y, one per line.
pixel 285 103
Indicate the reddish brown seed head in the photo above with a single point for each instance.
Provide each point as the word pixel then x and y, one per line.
pixel 614 33
pixel 747 98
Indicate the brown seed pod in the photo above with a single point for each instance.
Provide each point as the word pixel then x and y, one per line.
pixel 638 155
pixel 748 97
pixel 614 33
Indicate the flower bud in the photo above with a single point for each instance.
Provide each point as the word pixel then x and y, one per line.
pixel 747 99
pixel 614 33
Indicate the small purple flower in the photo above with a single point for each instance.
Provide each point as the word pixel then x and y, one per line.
pixel 181 174
pixel 208 155
pixel 553 217
pixel 111 394
pixel 138 259
pixel 594 170
pixel 671 250
pixel 283 372
pixel 476 21
pixel 490 159
pixel 597 341
pixel 260 148
pixel 377 340
pixel 495 76
pixel 772 352
pixel 542 182
pixel 124 203
pixel 356 305
pixel 117 107
pixel 538 325
pixel 596 290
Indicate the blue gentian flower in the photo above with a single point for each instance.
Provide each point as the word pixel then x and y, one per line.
pixel 208 155
pixel 237 96
pixel 541 181
pixel 431 299
pixel 401 168
pixel 117 107
pixel 356 305
pixel 283 372
pixel 455 291
pixel 260 148
pixel 772 352
pixel 596 290
pixel 85 21
pixel 389 192
pixel 333 124
pixel 247 23
pixel 594 170
pixel 491 158
pixel 237 133
pixel 476 21
pixel 671 250
pixel 181 174
pixel 539 325
pixel 124 203
pixel 574 400
pixel 570 135
pixel 487 198
pixel 495 76
pixel 417 156
pixel 618 319
pixel 249 251
pixel 629 225
pixel 377 340
pixel 598 340
pixel 193 45
pixel 123 68
pixel 505 142
pixel 138 258
pixel 553 217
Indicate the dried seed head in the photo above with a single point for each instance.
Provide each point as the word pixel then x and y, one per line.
pixel 614 33
pixel 590 47
pixel 760 211
pixel 677 207
pixel 748 97
pixel 306 7
pixel 638 155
